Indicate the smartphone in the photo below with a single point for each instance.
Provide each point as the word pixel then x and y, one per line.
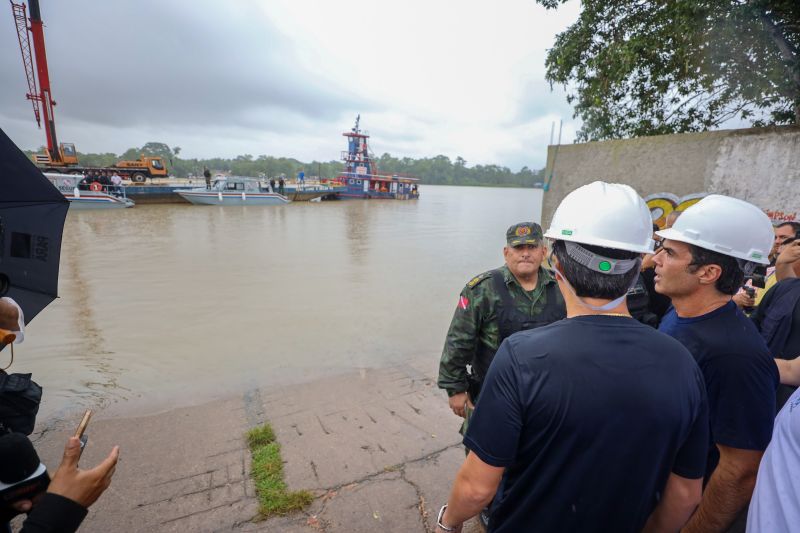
pixel 82 428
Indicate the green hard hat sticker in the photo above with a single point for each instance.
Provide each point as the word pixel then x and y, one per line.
pixel 604 266
pixel 566 232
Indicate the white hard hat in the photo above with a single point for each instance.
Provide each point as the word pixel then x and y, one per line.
pixel 726 225
pixel 611 215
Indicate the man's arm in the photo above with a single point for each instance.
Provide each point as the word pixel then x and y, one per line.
pixel 679 500
pixel 790 371
pixel 459 350
pixel 475 486
pixel 71 492
pixel 728 491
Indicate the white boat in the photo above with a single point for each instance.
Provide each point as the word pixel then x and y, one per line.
pixel 234 190
pixel 96 197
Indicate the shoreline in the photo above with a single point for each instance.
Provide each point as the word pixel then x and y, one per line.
pixel 377 447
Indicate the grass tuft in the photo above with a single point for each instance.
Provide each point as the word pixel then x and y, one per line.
pixel 261 436
pixel 267 472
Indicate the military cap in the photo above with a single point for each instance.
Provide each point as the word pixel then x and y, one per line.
pixel 524 233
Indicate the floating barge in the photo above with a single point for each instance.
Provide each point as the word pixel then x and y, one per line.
pixel 361 178
pixel 168 194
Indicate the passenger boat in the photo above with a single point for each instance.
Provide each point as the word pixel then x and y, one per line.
pixel 233 190
pixel 97 197
pixel 361 178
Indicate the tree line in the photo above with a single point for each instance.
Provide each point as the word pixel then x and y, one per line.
pixel 438 170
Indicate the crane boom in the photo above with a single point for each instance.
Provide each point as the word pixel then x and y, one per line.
pixel 44 95
pixel 21 23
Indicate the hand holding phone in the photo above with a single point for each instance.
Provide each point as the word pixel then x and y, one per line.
pixel 82 428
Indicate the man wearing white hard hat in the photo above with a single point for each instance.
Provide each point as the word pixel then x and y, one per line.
pixel 702 263
pixel 596 422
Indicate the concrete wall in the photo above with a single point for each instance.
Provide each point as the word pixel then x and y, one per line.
pixel 760 165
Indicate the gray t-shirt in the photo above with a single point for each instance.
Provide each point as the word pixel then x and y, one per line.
pixel 774 507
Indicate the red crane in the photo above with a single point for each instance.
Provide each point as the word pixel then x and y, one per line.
pixel 62 157
pixel 39 94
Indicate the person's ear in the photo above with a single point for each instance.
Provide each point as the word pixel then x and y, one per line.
pixel 709 274
pixel 555 265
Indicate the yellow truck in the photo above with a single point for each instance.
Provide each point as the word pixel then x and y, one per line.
pixel 137 171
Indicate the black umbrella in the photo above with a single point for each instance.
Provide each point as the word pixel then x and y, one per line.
pixel 32 213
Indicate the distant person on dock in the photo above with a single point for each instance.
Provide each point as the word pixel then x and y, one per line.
pixel 301 179
pixel 595 423
pixel 207 176
pixel 701 265
pixel 281 185
pixel 272 185
pixel 104 180
pixel 116 182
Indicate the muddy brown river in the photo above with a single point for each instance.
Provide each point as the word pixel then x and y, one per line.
pixel 170 305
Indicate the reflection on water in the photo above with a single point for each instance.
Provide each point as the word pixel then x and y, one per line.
pixel 165 305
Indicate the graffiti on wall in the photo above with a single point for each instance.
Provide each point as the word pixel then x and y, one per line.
pixel 781 216
pixel 661 204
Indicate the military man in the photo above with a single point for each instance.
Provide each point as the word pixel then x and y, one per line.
pixel 517 296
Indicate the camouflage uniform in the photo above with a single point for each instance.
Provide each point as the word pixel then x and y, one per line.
pixel 475 331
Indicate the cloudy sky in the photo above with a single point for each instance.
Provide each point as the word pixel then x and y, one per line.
pixel 287 77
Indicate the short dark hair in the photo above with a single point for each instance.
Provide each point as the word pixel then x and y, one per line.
pixel 732 276
pixel 795 225
pixel 590 284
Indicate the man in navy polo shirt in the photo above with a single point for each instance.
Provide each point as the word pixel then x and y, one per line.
pixel 596 422
pixel 702 263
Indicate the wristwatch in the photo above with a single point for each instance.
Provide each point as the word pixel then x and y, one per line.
pixel 439 524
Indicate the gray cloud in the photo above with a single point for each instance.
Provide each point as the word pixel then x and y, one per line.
pixel 149 63
pixel 219 78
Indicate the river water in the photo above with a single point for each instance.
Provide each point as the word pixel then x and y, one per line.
pixel 169 305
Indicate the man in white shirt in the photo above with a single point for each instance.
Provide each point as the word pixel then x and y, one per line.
pixel 775 505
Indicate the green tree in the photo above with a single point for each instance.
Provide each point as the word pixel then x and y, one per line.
pixel 157 150
pixel 648 67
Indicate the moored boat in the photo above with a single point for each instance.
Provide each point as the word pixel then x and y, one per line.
pixel 361 178
pixel 233 190
pixel 96 197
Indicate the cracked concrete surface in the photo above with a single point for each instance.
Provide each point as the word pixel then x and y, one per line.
pixel 377 448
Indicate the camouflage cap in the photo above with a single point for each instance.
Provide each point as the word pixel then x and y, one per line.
pixel 524 233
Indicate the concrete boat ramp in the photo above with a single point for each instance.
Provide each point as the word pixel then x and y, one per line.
pixel 379 449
